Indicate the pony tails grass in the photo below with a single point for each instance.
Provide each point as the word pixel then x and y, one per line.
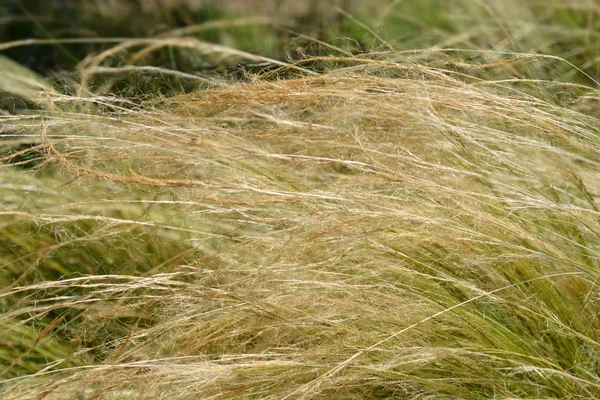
pixel 416 225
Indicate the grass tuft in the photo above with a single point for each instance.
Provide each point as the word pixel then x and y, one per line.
pixel 388 224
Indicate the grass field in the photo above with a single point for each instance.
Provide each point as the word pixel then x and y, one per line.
pixel 300 200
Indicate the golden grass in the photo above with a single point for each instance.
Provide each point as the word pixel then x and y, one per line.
pixel 414 222
pixel 379 229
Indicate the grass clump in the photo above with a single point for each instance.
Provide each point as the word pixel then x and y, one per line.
pixel 393 224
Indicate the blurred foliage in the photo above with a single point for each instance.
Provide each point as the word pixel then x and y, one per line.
pixel 296 29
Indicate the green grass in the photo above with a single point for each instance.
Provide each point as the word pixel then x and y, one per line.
pixel 413 213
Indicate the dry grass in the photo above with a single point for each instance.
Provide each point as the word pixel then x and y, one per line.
pixel 396 225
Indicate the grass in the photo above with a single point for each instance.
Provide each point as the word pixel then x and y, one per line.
pixel 419 220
